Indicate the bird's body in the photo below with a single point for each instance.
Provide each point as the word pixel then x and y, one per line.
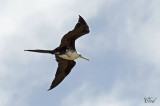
pixel 70 55
pixel 66 53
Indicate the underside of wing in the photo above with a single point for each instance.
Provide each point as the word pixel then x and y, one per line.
pixel 64 68
pixel 80 29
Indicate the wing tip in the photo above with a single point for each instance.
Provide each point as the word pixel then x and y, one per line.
pixel 81 20
pixel 49 89
pixel 80 16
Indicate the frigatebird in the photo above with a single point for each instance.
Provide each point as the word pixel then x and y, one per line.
pixel 66 53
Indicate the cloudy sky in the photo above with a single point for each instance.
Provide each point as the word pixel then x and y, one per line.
pixel 123 48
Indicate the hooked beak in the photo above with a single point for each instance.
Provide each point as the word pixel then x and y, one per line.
pixel 84 57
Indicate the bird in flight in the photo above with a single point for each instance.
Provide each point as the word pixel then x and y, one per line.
pixel 66 53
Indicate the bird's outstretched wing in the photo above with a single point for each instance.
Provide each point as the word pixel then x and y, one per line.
pixel 64 68
pixel 80 29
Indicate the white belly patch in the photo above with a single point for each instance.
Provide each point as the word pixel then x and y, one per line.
pixel 70 55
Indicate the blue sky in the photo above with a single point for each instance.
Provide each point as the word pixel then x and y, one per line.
pixel 123 48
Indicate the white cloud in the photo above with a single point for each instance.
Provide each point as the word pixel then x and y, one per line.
pixel 132 29
pixel 85 95
pixel 124 92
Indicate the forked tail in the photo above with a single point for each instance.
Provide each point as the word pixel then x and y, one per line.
pixel 41 51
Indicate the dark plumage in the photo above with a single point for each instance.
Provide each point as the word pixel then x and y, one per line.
pixel 66 52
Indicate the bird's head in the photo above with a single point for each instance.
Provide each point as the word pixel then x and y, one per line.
pixel 82 56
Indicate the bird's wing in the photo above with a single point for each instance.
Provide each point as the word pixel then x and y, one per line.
pixel 80 29
pixel 64 68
